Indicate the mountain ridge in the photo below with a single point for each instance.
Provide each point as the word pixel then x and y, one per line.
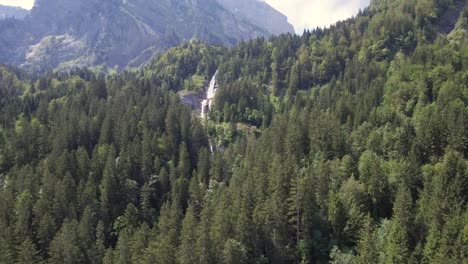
pixel 12 12
pixel 60 34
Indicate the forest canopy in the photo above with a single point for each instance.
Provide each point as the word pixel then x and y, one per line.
pixel 356 150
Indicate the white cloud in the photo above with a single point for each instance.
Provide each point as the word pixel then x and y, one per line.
pixel 309 14
pixel 27 4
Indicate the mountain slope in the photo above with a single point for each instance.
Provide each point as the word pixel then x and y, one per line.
pixel 65 33
pixel 342 145
pixel 11 11
pixel 259 13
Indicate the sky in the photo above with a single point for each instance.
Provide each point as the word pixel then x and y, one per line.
pixel 22 3
pixel 309 14
pixel 302 14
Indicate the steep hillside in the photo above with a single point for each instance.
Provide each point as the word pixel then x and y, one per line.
pixel 259 13
pixel 64 33
pixel 346 145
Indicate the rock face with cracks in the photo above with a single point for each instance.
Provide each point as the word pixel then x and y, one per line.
pixel 61 34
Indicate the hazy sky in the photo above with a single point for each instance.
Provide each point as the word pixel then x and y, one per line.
pixel 301 13
pixel 317 13
pixel 23 3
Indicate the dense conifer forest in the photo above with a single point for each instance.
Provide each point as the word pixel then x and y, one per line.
pixel 343 145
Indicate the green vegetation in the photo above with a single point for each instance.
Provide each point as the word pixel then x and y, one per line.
pixel 343 145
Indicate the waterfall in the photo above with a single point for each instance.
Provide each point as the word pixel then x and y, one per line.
pixel 210 95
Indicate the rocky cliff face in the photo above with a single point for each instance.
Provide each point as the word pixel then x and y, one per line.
pixel 11 11
pixel 125 33
pixel 259 13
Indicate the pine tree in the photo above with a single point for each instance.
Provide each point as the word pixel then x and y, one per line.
pixel 86 230
pixel 397 249
pixel 163 245
pixel 109 257
pixel 293 82
pixel 295 205
pixel 366 248
pixel 24 215
pixel 45 233
pixel 244 227
pixel 99 245
pixel 372 174
pixel 188 238
pixel 139 243
pixel 65 248
pixel 146 200
pixel 7 244
pixel 197 194
pixel 122 253
pixel 27 253
pixel 184 166
pixel 453 247
pixel 432 244
pixel 203 167
pixel 234 252
pixel 109 190
pixel 204 244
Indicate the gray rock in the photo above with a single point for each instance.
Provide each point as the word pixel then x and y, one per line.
pixel 60 34
pixel 259 13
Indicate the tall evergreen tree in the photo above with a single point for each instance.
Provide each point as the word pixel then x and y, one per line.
pixel 397 249
pixel 188 238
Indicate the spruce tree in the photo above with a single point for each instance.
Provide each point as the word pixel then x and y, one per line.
pixel 188 238
pixel 397 249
